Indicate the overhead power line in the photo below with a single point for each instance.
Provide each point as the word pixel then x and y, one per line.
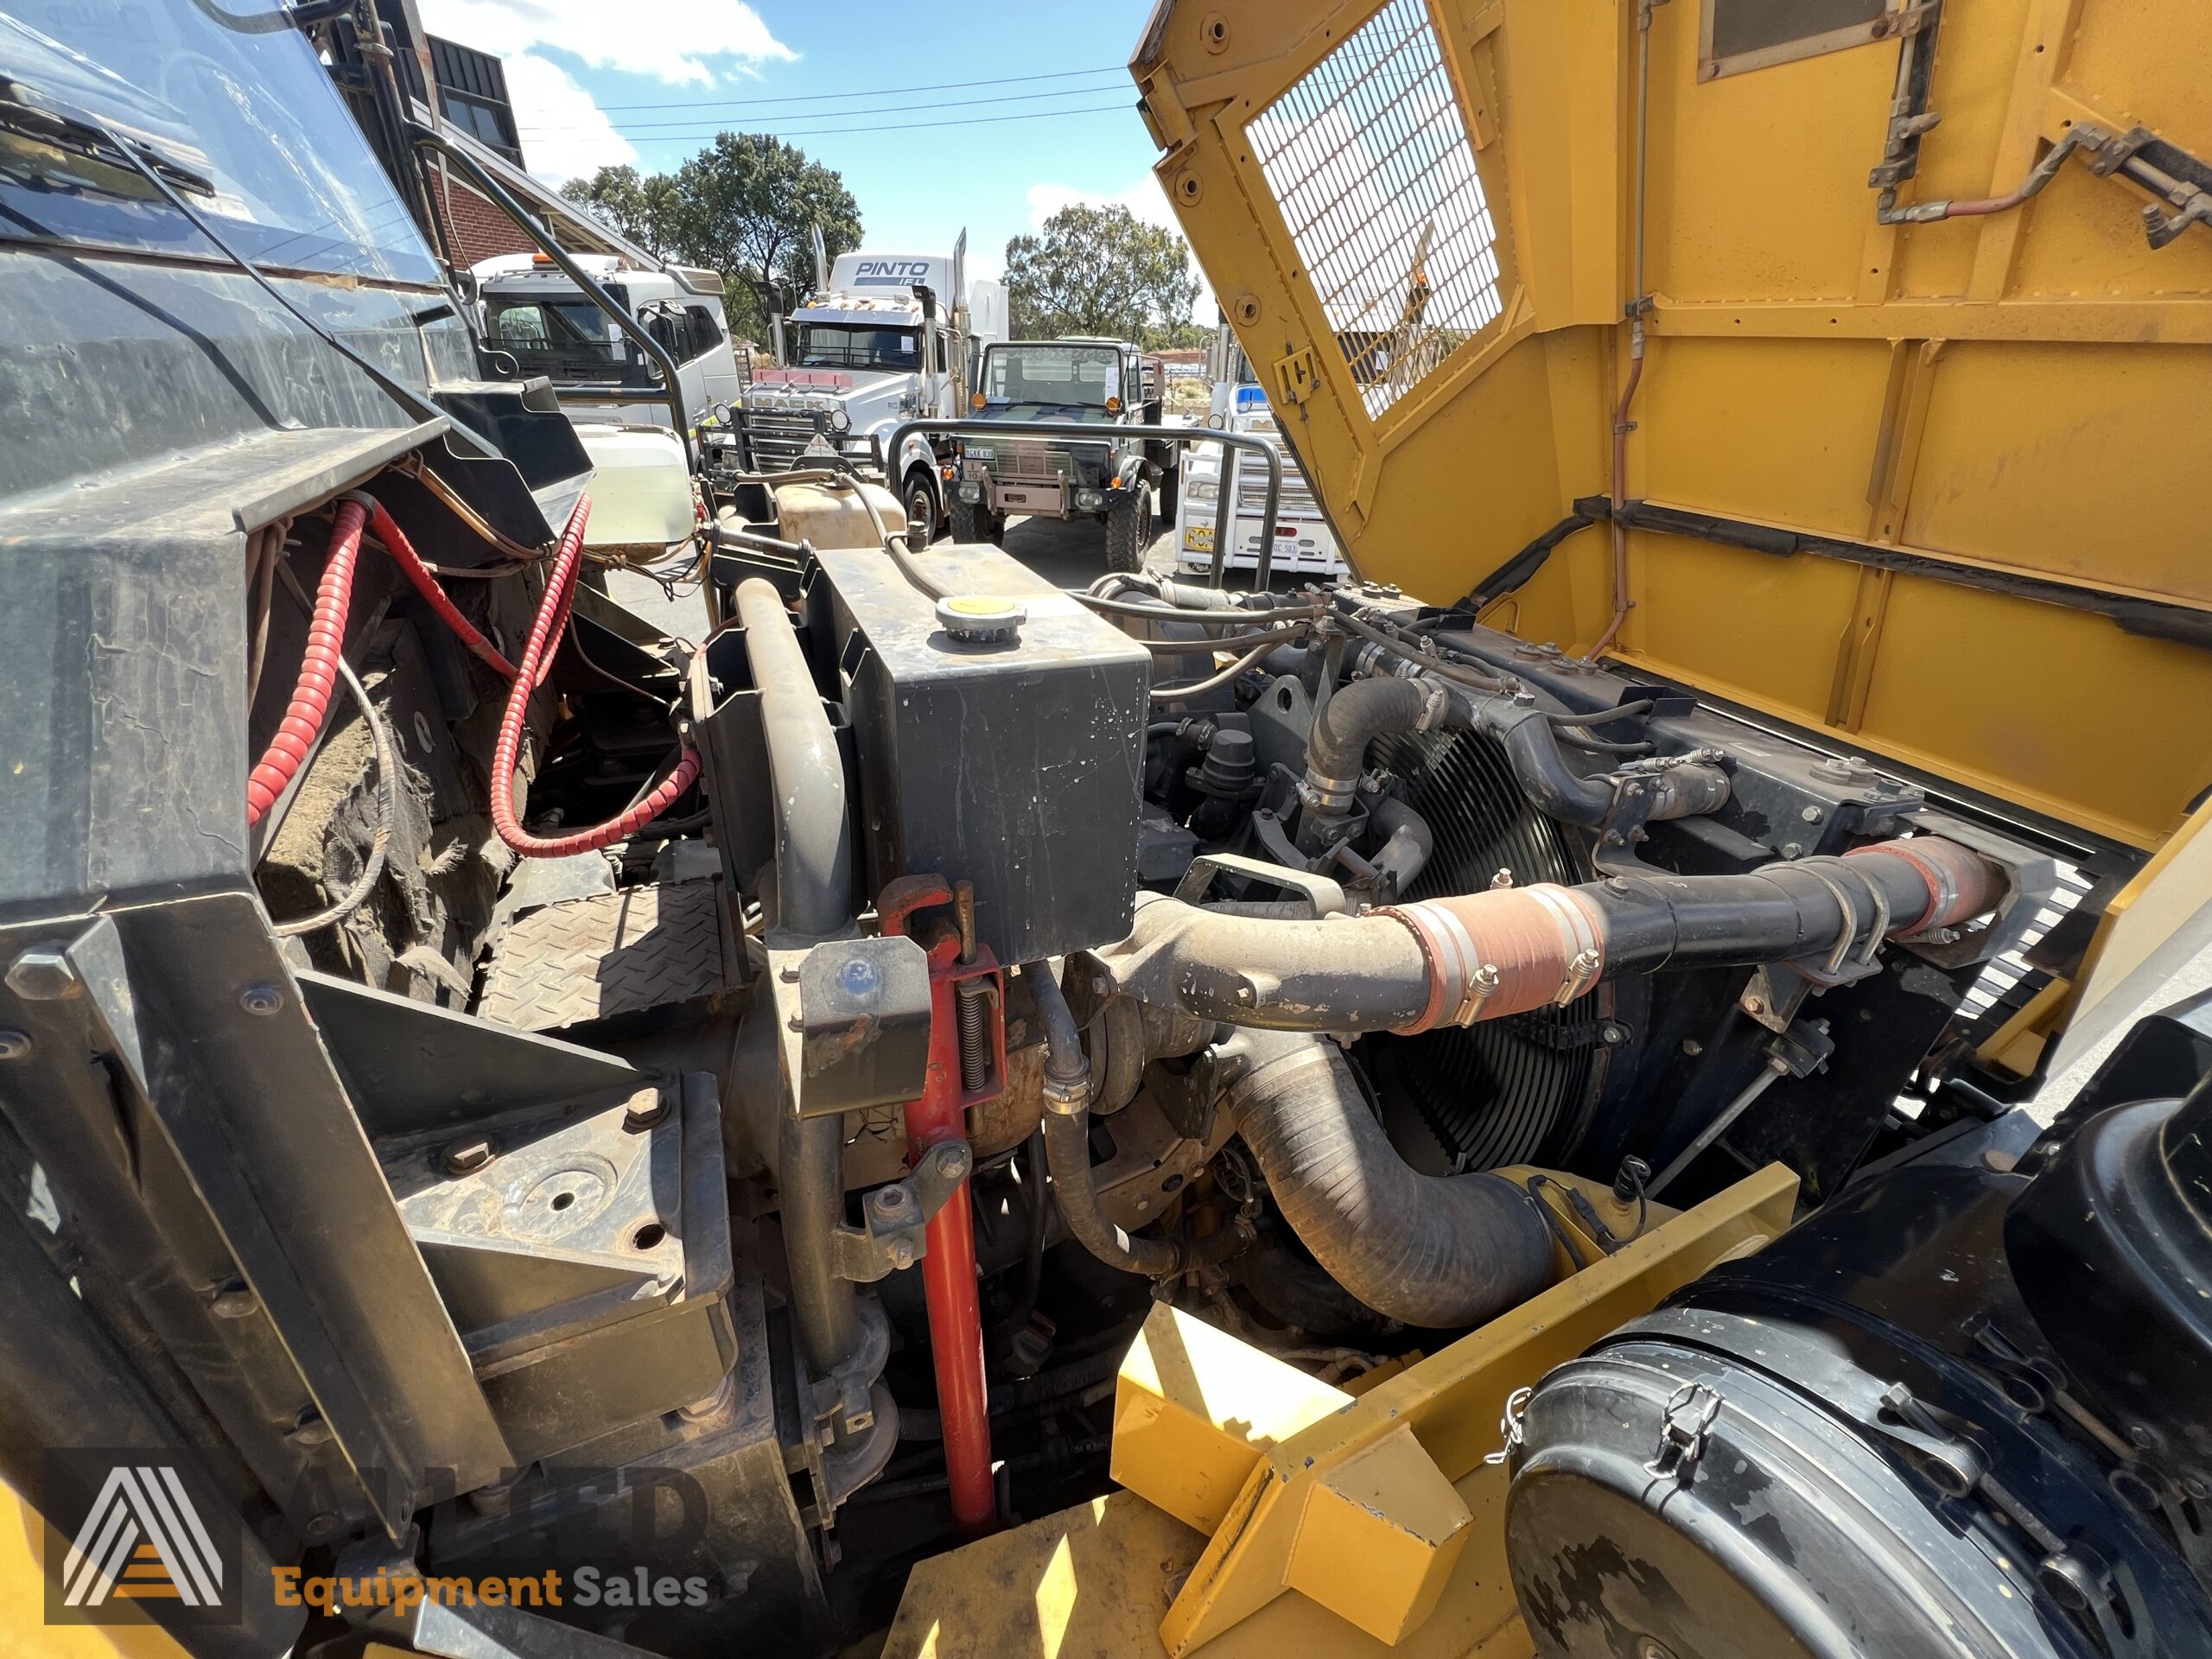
pixel 696 116
pixel 880 92
pixel 1122 107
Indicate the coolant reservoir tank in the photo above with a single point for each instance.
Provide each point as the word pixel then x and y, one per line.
pixel 838 512
pixel 641 494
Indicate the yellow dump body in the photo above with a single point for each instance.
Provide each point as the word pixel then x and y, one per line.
pixel 1936 491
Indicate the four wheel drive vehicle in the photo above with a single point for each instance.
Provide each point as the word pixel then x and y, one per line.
pixel 884 337
pixel 1305 544
pixel 534 312
pixel 1119 481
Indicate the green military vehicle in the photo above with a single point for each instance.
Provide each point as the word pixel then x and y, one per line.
pixel 1123 482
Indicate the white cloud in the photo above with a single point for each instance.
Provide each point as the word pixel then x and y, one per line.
pixel 564 134
pixel 1146 200
pixel 680 42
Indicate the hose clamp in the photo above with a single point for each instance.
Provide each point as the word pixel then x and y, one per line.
pixel 1067 1098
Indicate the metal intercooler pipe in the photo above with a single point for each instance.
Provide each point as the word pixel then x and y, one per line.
pixel 814 896
pixel 1433 1251
pixel 1444 962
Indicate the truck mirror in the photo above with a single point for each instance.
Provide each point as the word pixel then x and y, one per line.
pixel 927 295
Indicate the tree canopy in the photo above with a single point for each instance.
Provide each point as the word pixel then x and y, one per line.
pixel 1102 271
pixel 746 205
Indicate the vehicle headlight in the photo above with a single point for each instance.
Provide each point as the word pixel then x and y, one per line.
pixel 1203 489
pixel 1090 500
pixel 839 421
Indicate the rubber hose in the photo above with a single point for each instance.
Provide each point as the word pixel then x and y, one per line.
pixel 1067 1150
pixel 1434 1251
pixel 1360 713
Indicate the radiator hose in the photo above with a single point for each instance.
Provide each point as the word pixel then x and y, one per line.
pixel 1438 1251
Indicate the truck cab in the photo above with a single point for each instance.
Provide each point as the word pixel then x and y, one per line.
pixel 884 338
pixel 535 313
pixel 1305 544
pixel 1093 380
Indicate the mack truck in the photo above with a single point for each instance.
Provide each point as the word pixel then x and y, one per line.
pixel 1304 543
pixel 884 337
pixel 1098 382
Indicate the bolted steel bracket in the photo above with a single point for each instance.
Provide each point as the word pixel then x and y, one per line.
pixel 895 1216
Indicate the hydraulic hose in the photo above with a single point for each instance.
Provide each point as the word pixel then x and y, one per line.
pixel 537 657
pixel 1437 1251
pixel 425 584
pixel 310 703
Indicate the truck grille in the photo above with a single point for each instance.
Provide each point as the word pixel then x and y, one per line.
pixel 774 437
pixel 1027 458
pixel 1296 502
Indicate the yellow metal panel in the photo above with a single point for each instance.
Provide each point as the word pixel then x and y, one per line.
pixel 2019 440
pixel 1194 1408
pixel 2051 425
pixel 1381 1532
pixel 1723 426
pixel 1760 179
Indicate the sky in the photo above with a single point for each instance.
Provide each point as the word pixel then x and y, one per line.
pixel 979 113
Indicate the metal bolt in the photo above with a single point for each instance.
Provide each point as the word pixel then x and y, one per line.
pixel 1812 815
pixel 1144 1201
pixel 891 1199
pixel 1793 851
pixel 13 1045
pixel 319 1527
pixel 902 1253
pixel 467 1157
pixel 1610 1033
pixel 261 999
pixel 1692 1047
pixel 1503 879
pixel 2143 1436
pixel 2197 1489
pixel 647 1107
pixel 1754 1005
pixel 42 973
pixel 236 1302
pixel 1616 884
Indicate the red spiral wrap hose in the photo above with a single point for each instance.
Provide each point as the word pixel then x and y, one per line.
pixel 536 657
pixel 310 703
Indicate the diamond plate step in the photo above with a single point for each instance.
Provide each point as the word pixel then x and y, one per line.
pixel 655 949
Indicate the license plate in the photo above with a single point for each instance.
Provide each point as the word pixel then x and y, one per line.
pixel 1198 539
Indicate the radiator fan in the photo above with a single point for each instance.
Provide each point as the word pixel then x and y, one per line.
pixel 1518 1090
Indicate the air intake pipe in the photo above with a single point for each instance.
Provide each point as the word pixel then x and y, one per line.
pixel 1454 962
pixel 1438 1251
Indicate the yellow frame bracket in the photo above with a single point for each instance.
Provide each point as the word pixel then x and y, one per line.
pixel 1361 1506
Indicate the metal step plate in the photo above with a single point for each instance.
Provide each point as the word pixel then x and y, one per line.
pixel 658 951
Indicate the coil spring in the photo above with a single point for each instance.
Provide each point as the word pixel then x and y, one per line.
pixel 972 999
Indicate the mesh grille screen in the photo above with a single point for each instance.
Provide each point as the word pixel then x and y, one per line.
pixel 1509 1091
pixel 1368 158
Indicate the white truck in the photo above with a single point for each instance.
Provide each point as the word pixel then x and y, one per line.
pixel 534 312
pixel 884 338
pixel 1304 545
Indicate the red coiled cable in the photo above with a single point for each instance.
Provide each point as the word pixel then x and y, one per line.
pixel 304 714
pixel 310 702
pixel 552 618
